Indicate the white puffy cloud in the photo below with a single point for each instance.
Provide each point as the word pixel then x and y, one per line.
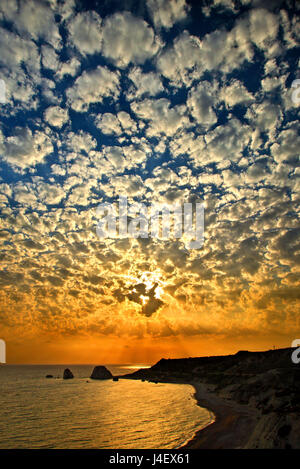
pixel 128 124
pixel 205 178
pixel 70 67
pixel 80 194
pixel 19 89
pixel 92 87
pixel 265 116
pixel 224 50
pixel 108 123
pixel 256 172
pixel 115 157
pixel 135 154
pixel 221 50
pixel 201 101
pixel 130 185
pixel 16 50
pixel 25 148
pixel 287 146
pixel 35 19
pixel 50 193
pixel 85 32
pixel 165 12
pixel 161 118
pixel 48 89
pixel 263 27
pixel 24 194
pixel 79 142
pixel 225 142
pixel 116 124
pixel 56 116
pixel 127 38
pixel 148 84
pixel 177 61
pixel 50 58
pixel 235 93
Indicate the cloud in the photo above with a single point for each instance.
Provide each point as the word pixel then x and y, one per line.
pixel 35 19
pixel 25 196
pixel 108 123
pixel 26 148
pixel 92 87
pixel 161 117
pixel 16 50
pixel 128 184
pixel 117 124
pixel 200 102
pixel 115 157
pixel 144 296
pixel 50 58
pixel 256 172
pixel 263 27
pixel 123 35
pixel 265 116
pixel 56 116
pixel 127 123
pixel 189 57
pixel 286 147
pixel 165 13
pixel 85 32
pixel 79 142
pixel 148 84
pixel 180 109
pixel 50 194
pixel 70 67
pixel 176 62
pixel 235 93
pixel 224 142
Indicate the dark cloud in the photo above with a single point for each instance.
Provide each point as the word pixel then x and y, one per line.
pixel 146 298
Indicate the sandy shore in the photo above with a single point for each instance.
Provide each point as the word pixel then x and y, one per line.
pixel 232 427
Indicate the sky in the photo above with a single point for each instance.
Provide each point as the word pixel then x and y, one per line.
pixel 164 102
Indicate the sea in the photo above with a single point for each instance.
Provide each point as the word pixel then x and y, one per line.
pixel 36 412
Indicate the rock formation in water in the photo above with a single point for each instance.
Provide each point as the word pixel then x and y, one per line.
pixel 49 376
pixel 68 374
pixel 101 372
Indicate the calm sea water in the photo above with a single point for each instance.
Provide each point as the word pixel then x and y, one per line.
pixel 36 412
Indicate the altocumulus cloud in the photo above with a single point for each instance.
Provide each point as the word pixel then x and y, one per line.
pixel 165 102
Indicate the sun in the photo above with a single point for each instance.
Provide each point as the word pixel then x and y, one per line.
pixel 150 280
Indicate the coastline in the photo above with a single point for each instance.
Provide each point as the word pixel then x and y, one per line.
pixel 232 426
pixel 253 396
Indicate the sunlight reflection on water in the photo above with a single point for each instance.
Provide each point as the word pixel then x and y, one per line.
pixel 53 413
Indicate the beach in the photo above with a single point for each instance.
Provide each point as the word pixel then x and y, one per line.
pixel 232 426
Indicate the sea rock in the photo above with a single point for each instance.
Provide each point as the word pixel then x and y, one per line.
pixel 49 376
pixel 68 374
pixel 115 378
pixel 101 372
